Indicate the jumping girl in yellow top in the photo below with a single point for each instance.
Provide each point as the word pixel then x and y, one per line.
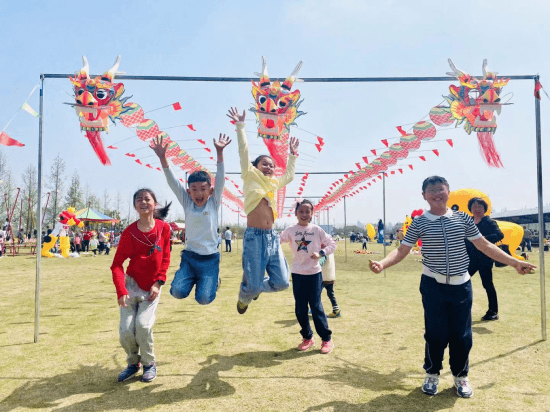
pixel 261 247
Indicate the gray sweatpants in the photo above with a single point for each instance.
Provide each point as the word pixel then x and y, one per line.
pixel 136 324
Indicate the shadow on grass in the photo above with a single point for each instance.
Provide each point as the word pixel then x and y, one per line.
pixel 107 394
pixel 413 401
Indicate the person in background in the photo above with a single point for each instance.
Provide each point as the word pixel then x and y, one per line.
pixel 526 241
pixel 228 236
pixel 479 261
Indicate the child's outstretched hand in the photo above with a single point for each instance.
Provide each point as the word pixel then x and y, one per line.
pixel 234 115
pixel 222 142
pixel 159 148
pixel 293 145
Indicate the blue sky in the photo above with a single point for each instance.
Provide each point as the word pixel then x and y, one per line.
pixel 334 39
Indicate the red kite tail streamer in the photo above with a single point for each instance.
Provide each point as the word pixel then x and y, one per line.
pixel 99 149
pixel 488 149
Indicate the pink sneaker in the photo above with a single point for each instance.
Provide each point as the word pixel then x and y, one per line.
pixel 306 344
pixel 327 347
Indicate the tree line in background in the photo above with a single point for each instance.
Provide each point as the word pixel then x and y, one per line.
pixel 64 192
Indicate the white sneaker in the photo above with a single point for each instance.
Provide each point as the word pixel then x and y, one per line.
pixel 462 387
pixel 430 384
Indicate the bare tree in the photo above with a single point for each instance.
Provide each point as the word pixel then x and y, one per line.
pixel 29 198
pixel 56 181
pixel 74 193
pixel 106 201
pixel 6 188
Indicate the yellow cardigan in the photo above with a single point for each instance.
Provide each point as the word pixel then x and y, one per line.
pixel 257 186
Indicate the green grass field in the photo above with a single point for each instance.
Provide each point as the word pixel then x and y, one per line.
pixel 210 358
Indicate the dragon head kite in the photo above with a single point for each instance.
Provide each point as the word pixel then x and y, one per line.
pixel 276 107
pixel 474 103
pixel 97 101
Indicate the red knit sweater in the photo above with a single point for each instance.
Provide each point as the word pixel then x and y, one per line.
pixel 136 245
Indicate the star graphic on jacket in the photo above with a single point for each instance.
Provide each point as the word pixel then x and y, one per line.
pixel 302 244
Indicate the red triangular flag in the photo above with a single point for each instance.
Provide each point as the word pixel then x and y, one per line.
pixel 450 141
pixel 373 152
pixel 422 158
pixel 538 86
pixel 318 147
pixel 8 141
pixel 436 152
pixel 385 142
pixel 368 183
pixel 130 155
pixel 400 171
pixel 191 127
pixel 321 142
pixel 411 166
pixel 158 168
pixel 139 162
pixel 400 129
pixel 149 166
pixel 207 149
pixel 341 180
pixel 176 106
pixel 393 172
pixel 111 147
pixel 365 159
pixel 385 174
pixel 379 177
pixel 358 166
pixel 346 176
pixel 201 141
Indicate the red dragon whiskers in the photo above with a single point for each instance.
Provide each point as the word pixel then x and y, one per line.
pixel 97 145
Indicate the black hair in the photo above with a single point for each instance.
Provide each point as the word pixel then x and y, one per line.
pixel 159 213
pixel 303 202
pixel 433 180
pixel 227 227
pixel 199 176
pixel 259 158
pixel 477 200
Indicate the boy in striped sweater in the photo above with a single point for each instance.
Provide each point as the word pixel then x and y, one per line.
pixel 445 285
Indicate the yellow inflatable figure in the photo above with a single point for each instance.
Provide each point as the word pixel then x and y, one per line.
pixel 371 232
pixel 66 218
pixel 513 233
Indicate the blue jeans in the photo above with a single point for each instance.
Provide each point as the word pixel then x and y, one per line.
pixel 200 270
pixel 307 292
pixel 448 321
pixel 262 253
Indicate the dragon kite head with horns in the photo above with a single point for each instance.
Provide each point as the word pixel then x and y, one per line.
pixel 276 107
pixel 97 100
pixel 474 103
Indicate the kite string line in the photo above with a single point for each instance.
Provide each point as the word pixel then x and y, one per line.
pixel 11 120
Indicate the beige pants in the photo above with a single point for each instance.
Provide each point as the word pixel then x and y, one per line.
pixel 136 324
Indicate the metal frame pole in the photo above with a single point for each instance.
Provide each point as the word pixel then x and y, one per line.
pixel 541 217
pixel 39 214
pixel 384 213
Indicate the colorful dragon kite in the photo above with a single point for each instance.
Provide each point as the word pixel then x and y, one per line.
pixel 99 100
pixel 474 103
pixel 276 109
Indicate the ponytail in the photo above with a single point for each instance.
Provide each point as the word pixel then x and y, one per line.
pixel 161 213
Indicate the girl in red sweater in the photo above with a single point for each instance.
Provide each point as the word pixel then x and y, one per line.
pixel 146 243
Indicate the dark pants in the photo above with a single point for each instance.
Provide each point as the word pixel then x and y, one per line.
pixel 86 245
pixel 307 292
pixel 448 321
pixel 77 246
pixel 364 246
pixel 524 243
pixel 330 293
pixel 107 249
pixel 100 247
pixel 228 245
pixel 486 275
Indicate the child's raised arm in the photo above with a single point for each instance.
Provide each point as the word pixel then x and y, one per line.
pixel 220 171
pixel 241 137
